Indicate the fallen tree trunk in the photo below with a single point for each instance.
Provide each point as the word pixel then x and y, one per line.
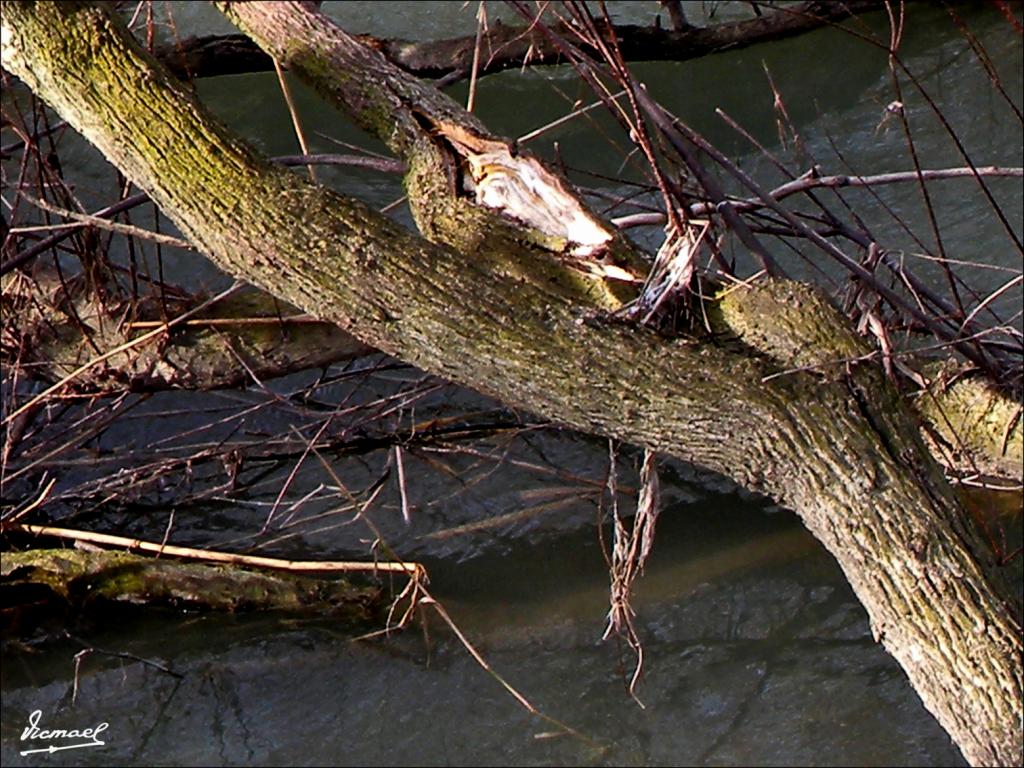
pixel 54 328
pixel 39 583
pixel 839 447
pixel 506 47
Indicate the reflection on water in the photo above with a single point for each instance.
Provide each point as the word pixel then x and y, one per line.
pixel 756 653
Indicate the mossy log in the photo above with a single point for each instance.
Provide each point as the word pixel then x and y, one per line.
pixel 57 326
pixel 968 425
pixel 75 582
pixel 842 448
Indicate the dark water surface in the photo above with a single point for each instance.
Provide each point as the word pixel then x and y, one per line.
pixel 756 650
pixel 757 653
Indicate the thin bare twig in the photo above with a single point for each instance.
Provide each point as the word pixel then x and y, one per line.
pixel 296 123
pixel 212 556
pixel 85 219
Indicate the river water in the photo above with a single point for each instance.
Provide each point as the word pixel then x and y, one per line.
pixel 756 651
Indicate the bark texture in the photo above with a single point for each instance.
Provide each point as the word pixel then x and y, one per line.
pixel 977 429
pixel 73 581
pixel 53 328
pixel 838 447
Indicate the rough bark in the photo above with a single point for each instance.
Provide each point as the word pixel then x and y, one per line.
pixel 839 448
pixel 54 327
pixel 40 583
pixel 975 428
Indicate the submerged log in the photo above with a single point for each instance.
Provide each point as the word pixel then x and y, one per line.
pixel 74 582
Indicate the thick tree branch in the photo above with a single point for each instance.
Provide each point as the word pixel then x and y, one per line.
pixel 832 439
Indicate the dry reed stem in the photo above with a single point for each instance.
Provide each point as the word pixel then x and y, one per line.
pixel 299 133
pixel 481 27
pixel 630 549
pixel 414 570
